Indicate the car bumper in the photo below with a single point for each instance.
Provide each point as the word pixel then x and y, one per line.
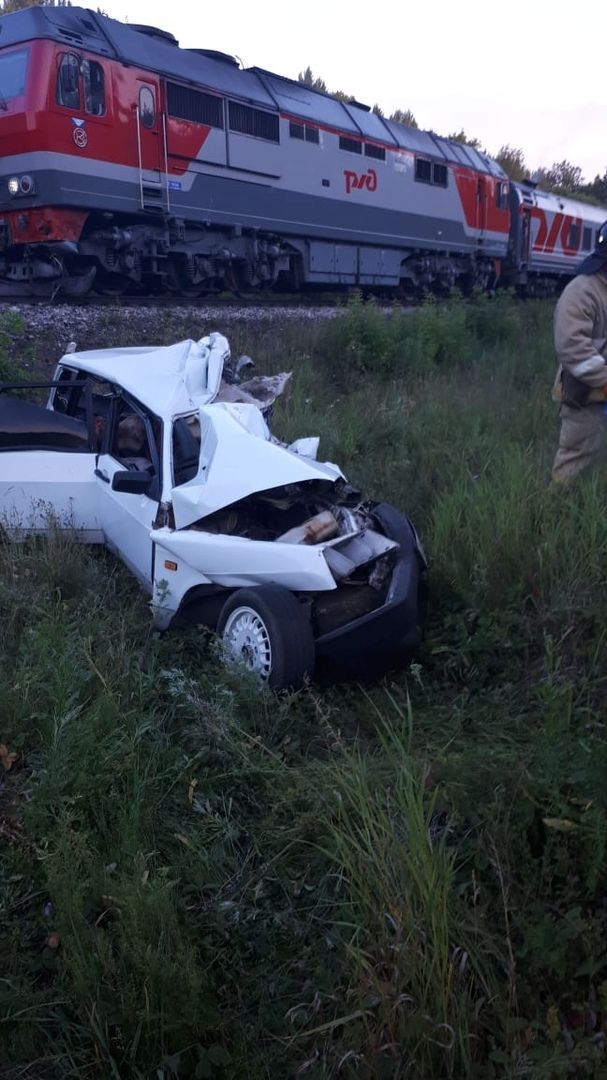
pixel 393 631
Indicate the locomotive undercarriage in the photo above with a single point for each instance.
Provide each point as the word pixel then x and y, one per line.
pixel 423 273
pixel 172 257
pixel 159 257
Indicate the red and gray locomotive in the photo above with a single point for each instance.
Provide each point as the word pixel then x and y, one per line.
pixel 130 164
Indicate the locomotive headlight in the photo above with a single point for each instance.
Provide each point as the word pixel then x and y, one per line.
pixel 21 185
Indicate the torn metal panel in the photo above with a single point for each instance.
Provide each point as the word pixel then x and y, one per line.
pixel 262 390
pixel 170 379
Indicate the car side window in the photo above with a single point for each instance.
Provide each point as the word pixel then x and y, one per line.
pixel 130 439
pixel 64 393
pixel 72 395
pixel 75 390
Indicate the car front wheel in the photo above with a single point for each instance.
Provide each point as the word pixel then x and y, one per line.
pixel 267 631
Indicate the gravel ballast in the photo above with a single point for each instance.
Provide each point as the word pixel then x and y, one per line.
pixel 45 330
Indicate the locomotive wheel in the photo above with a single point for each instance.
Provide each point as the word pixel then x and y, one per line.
pixel 188 292
pixel 111 285
pixel 193 292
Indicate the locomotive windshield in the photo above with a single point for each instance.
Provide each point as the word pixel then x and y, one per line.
pixel 13 69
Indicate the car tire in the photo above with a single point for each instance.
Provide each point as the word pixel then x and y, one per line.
pixel 268 631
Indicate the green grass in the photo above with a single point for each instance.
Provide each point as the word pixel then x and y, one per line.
pixel 399 880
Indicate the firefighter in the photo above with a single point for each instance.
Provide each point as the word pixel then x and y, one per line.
pixel 580 338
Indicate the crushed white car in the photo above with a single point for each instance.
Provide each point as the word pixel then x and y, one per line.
pixel 152 452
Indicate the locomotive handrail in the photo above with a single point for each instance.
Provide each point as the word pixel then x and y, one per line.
pixel 166 161
pixel 165 148
pixel 139 157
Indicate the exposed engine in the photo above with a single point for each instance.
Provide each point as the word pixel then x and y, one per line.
pixel 359 556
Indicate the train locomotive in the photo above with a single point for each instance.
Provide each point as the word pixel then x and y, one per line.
pixel 130 164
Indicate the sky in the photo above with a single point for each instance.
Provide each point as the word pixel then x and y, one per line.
pixel 523 75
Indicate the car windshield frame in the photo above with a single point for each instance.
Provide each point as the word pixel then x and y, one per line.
pixel 13 73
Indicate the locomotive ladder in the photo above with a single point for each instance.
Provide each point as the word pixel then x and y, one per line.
pixel 154 190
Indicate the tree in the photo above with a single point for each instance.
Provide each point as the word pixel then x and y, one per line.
pixel 314 82
pixel 562 177
pixel 404 116
pixel 341 95
pixel 597 188
pixel 377 110
pixel 512 161
pixel 461 137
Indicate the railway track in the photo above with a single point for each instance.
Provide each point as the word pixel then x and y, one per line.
pixel 259 299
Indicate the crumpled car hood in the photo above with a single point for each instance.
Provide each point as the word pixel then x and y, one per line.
pixel 238 458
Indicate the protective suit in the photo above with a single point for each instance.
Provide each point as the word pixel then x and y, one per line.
pixel 580 339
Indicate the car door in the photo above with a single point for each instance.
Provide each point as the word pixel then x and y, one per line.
pixel 47 463
pixel 128 479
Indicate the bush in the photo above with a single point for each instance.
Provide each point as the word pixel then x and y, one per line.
pixel 11 330
pixel 369 340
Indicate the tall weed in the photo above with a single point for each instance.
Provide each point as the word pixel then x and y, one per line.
pixel 419 967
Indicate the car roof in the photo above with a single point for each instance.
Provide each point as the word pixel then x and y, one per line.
pixel 167 379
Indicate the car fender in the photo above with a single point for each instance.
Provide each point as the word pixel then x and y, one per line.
pixel 235 561
pixel 173 579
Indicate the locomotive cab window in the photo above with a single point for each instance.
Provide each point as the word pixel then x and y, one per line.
pixel 147 107
pixel 13 69
pixel 501 195
pixel 94 90
pixel 68 82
